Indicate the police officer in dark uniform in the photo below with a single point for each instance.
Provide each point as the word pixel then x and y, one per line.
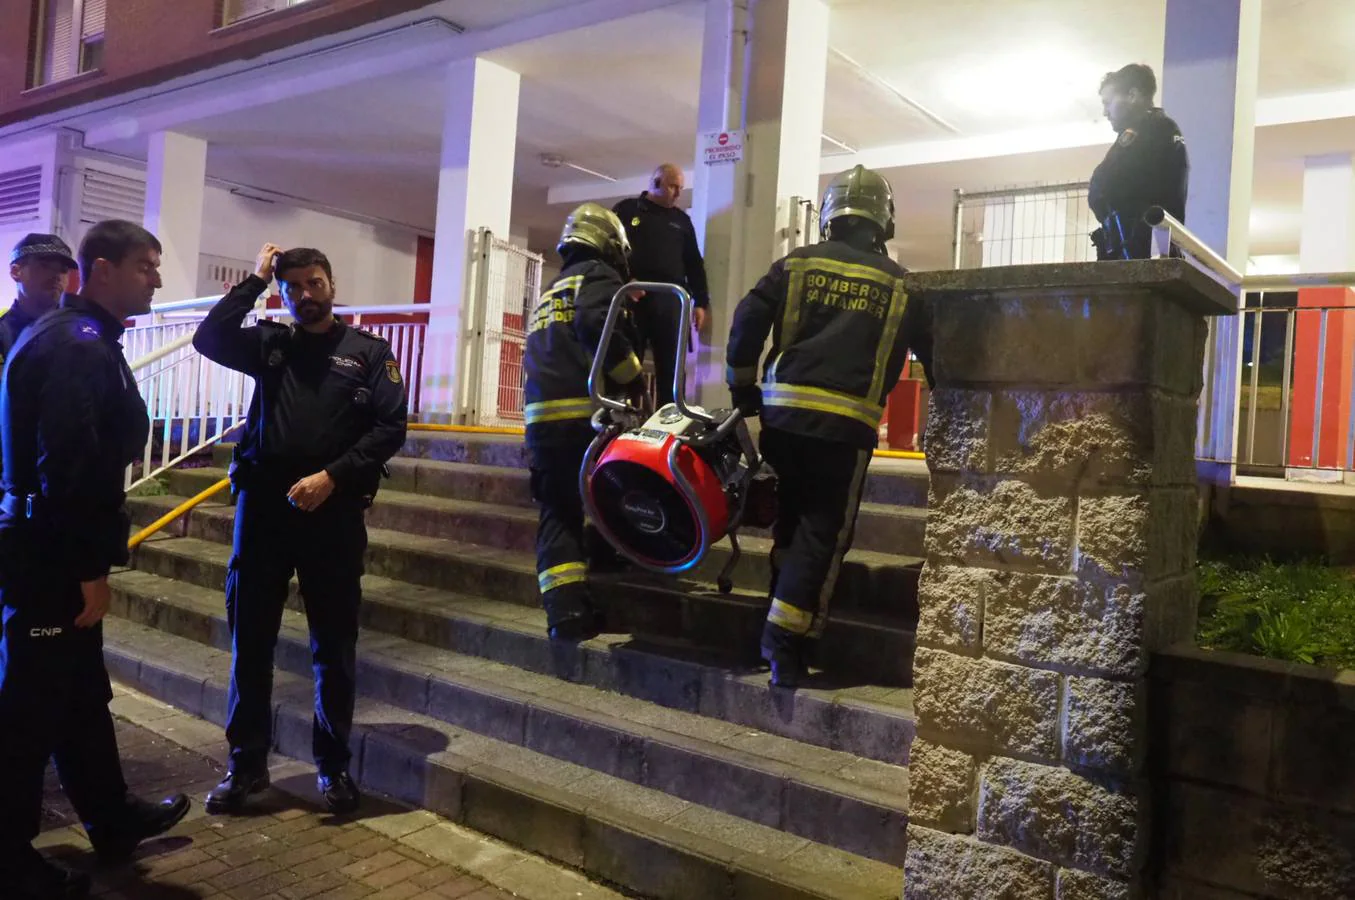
pixel 1147 166
pixel 39 265
pixel 664 249
pixel 841 327
pixel 328 411
pixel 562 339
pixel 71 421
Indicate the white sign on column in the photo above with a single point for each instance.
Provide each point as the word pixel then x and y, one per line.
pixel 721 147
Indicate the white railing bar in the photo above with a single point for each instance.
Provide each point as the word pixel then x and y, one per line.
pixel 1290 322
pixel 156 355
pixel 393 310
pixel 1182 237
pixel 1317 394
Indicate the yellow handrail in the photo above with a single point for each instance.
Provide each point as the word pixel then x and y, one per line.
pixel 177 511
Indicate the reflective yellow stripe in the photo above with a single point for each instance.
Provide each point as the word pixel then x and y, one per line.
pixel 898 302
pixel 791 618
pixel 796 396
pixel 558 410
pixel 625 371
pixel 843 540
pixel 790 312
pixel 561 575
pixel 741 376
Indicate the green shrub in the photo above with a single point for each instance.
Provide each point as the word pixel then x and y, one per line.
pixel 1300 612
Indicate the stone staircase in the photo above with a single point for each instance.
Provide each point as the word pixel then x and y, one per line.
pixel 656 758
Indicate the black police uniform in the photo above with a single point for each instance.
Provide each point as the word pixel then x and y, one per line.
pixel 72 420
pixel 562 338
pixel 12 324
pixel 332 402
pixel 663 248
pixel 1147 166
pixel 841 327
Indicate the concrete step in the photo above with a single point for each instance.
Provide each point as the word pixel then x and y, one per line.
pixel 504 493
pixel 854 645
pixel 776 781
pixel 870 721
pixel 877 584
pixel 890 482
pixel 641 839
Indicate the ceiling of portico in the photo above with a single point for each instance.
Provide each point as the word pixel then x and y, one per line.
pixel 619 96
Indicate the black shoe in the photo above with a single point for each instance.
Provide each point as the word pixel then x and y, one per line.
pixel 239 784
pixel 576 628
pixel 788 672
pixel 340 792
pixel 142 820
pixel 32 877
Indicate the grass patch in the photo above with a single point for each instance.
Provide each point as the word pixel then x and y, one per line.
pixel 152 487
pixel 1300 612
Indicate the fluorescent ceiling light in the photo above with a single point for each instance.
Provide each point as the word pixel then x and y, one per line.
pixel 1047 81
pixel 555 161
pixel 842 145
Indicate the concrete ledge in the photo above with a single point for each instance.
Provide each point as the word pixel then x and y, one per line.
pixel 490 785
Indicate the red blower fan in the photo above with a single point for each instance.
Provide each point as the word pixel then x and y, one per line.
pixel 663 490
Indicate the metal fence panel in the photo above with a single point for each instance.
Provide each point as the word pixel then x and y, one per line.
pixel 1020 226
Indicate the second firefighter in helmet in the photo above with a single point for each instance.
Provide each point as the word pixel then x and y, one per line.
pixel 562 338
pixel 841 327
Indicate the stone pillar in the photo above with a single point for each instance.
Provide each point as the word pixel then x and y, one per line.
pixel 1060 544
pixel 475 190
pixel 176 180
pixel 764 67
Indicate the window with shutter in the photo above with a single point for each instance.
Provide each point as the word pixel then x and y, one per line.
pixel 93 28
pixel 72 39
pixel 20 195
pixel 238 10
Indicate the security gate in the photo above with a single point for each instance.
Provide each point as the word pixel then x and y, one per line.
pixel 1019 226
pixel 507 282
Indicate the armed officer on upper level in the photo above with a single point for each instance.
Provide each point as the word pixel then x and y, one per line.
pixel 1147 166
pixel 841 327
pixel 328 412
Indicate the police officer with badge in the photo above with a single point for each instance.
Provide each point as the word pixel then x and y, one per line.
pixel 1147 166
pixel 328 411
pixel 71 421
pixel 562 338
pixel 841 327
pixel 39 265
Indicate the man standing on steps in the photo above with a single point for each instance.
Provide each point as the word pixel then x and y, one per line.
pixel 39 265
pixel 71 420
pixel 841 327
pixel 328 411
pixel 664 248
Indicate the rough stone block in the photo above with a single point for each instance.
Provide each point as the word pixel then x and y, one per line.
pixel 981 338
pixel 1082 436
pixel 1315 755
pixel 1054 814
pixel 987 703
pixel 1103 725
pixel 949 867
pixel 982 522
pixel 1088 626
pixel 942 784
pixel 1074 885
pixel 951 605
pixel 1151 535
pixel 1214 734
pixel 1307 854
pixel 956 439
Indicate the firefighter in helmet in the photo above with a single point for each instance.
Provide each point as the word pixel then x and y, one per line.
pixel 841 327
pixel 562 338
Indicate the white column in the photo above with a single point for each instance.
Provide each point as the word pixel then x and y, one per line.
pixel 475 190
pixel 176 179
pixel 1327 241
pixel 764 66
pixel 1209 79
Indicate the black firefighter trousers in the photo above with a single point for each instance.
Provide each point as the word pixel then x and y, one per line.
pixel 561 542
pixel 818 494
pixel 325 548
pixel 54 695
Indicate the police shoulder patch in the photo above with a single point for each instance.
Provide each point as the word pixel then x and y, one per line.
pixel 1128 137
pixel 393 371
pixel 86 329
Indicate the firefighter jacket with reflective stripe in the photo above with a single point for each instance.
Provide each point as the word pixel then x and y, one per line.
pixel 841 327
pixel 562 335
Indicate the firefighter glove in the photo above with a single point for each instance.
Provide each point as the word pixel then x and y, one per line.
pixel 747 399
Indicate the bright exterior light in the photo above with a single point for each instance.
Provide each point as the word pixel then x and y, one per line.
pixel 1027 83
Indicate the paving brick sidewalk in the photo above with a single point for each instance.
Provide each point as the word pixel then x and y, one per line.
pixel 288 847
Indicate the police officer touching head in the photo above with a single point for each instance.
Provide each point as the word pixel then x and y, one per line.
pixel 71 420
pixel 841 328
pixel 328 411
pixel 562 339
pixel 40 265
pixel 1147 166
